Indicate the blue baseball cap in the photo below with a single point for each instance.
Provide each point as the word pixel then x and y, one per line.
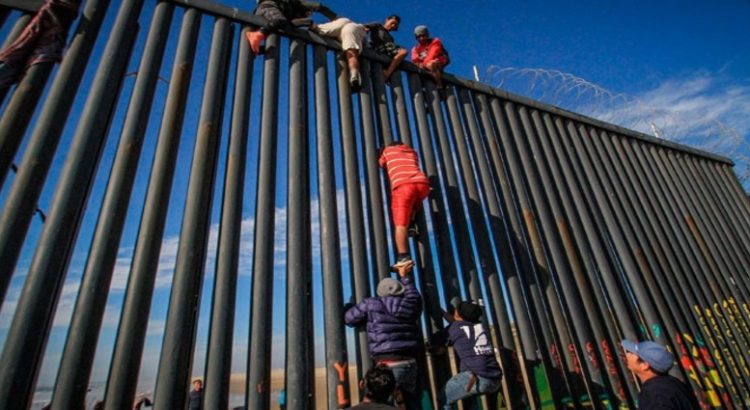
pixel 656 355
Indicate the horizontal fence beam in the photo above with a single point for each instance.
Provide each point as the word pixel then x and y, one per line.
pixel 23 5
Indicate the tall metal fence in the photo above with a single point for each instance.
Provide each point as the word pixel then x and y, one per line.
pixel 574 233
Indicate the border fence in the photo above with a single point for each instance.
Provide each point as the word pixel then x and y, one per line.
pixel 574 233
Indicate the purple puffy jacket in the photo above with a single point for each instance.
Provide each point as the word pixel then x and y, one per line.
pixel 391 320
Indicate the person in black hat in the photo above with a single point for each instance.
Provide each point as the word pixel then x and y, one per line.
pixel 479 372
pixel 650 362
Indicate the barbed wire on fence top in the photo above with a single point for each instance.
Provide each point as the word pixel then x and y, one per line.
pixel 574 93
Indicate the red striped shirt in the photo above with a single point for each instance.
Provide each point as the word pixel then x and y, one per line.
pixel 402 165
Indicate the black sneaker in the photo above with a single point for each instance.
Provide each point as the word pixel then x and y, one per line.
pixel 414 230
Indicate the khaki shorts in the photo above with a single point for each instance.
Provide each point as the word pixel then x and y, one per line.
pixel 350 34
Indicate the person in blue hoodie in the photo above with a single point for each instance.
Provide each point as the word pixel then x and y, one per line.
pixel 392 331
pixel 479 372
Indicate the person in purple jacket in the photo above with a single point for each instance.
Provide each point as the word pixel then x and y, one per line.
pixel 479 372
pixel 392 332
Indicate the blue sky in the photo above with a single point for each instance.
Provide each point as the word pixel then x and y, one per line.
pixel 684 66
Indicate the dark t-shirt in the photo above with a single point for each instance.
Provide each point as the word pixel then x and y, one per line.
pixel 378 34
pixel 472 345
pixel 372 406
pixel 665 392
pixel 195 400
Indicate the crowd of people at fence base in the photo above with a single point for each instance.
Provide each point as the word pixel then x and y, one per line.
pixel 428 54
pixel 390 319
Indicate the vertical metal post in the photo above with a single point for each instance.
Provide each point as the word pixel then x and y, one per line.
pixel 18 27
pixel 354 214
pixel 552 383
pixel 23 351
pixel 19 111
pixel 499 217
pixel 398 98
pixel 585 321
pixel 718 199
pixel 602 278
pixel 702 225
pixel 544 274
pixel 575 282
pixel 77 360
pixel 123 372
pixel 427 272
pixel 660 276
pixel 640 284
pixel 722 239
pixel 662 189
pixel 175 362
pixel 259 358
pixel 468 267
pixel 20 24
pixel 490 269
pixel 337 367
pixel 451 288
pixel 299 371
pixel 376 220
pixel 19 207
pixel 219 355
pixel 676 250
pixel 475 215
pixel 381 102
pixel 725 174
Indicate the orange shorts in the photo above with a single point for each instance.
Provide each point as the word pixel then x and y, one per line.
pixel 405 199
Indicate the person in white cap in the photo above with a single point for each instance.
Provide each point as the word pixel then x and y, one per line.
pixel 429 54
pixel 650 362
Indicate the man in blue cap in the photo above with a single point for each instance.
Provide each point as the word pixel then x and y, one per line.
pixel 650 362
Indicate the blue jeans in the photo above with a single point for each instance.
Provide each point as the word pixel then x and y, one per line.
pixel 405 373
pixel 456 388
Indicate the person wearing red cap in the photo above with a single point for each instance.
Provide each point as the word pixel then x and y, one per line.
pixel 650 362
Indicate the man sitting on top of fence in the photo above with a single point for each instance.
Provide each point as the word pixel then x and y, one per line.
pixel 281 12
pixel 351 35
pixel 429 54
pixel 382 42
pixel 409 186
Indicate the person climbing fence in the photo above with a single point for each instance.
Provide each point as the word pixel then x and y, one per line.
pixel 480 372
pixel 278 14
pixel 409 187
pixel 392 331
